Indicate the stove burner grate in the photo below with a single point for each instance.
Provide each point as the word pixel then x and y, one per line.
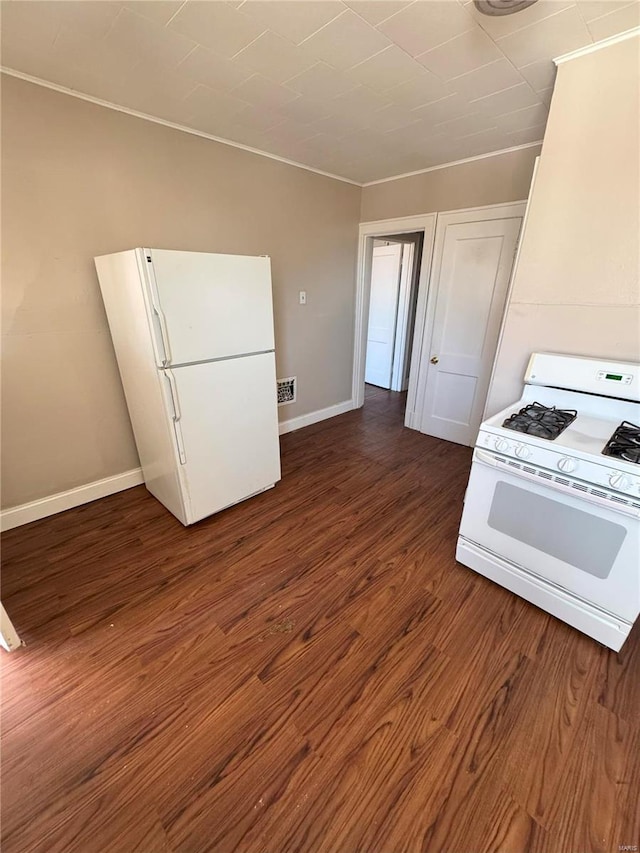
pixel 541 421
pixel 624 443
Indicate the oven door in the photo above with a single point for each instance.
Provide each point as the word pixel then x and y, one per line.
pixel 585 544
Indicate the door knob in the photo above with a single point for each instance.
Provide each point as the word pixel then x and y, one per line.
pixel 434 359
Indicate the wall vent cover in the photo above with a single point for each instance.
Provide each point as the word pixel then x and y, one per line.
pixel 287 390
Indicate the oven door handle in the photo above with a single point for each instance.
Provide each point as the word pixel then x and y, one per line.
pixel 494 462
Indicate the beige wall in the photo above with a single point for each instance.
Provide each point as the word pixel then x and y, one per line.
pixel 79 180
pixel 492 180
pixel 577 286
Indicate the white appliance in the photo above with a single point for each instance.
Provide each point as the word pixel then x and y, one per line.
pixel 555 519
pixel 193 335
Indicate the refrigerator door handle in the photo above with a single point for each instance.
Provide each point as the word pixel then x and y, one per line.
pixel 174 394
pixel 157 310
pixel 177 415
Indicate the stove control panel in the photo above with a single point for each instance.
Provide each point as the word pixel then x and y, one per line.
pixel 591 473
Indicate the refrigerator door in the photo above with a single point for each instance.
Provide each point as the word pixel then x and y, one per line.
pixel 209 306
pixel 229 431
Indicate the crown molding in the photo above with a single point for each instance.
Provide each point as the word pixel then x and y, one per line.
pixel 455 163
pixel 598 45
pixel 12 72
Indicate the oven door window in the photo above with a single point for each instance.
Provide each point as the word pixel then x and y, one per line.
pixel 575 536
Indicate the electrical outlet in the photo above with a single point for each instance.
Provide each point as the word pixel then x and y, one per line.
pixel 303 297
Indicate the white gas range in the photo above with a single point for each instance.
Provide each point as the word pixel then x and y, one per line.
pixel 552 509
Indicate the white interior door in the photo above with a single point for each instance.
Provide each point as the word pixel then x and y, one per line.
pixel 473 259
pixel 383 313
pixel 228 425
pixel 401 350
pixel 211 306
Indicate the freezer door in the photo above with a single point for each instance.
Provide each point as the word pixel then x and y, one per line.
pixel 229 431
pixel 209 306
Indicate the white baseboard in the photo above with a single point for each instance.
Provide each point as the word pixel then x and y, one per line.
pixel 32 511
pixel 313 417
pixel 17 515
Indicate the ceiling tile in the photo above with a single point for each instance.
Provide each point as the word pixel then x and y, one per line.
pixel 306 110
pixel 207 103
pixel 503 25
pixel 216 25
pixel 261 92
pixel 416 93
pixel 359 101
pixel 546 39
pixel 391 118
pixel 522 119
pixel 257 118
pixel 321 81
pixel 515 98
pixel 133 37
pixel 293 19
pixel 376 11
pixel 487 80
pixel 34 24
pixel 590 9
pixel 160 11
pixel 477 143
pixel 204 66
pixel 466 124
pixel 289 131
pixel 424 25
pixel 541 75
pixel 346 41
pixel 462 54
pixel 453 106
pixel 615 22
pixel 274 57
pixel 99 57
pixel 522 137
pixel 386 69
pixel 340 125
pixel 92 20
pixel 162 95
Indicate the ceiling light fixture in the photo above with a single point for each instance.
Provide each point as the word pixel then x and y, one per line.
pixel 501 7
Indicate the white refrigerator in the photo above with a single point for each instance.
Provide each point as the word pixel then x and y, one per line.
pixel 193 336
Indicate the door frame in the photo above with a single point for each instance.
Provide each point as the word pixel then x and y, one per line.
pixel 367 232
pixel 426 303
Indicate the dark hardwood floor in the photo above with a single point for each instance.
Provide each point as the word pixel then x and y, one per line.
pixel 308 671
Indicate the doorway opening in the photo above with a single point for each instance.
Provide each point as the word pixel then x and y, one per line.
pixel 390 320
pixel 393 294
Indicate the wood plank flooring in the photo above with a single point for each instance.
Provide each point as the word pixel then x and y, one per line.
pixel 310 671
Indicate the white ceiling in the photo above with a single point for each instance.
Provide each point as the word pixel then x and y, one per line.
pixel 363 89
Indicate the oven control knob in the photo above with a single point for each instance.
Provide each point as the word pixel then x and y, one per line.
pixel 502 445
pixel 618 481
pixel 567 464
pixel 522 451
